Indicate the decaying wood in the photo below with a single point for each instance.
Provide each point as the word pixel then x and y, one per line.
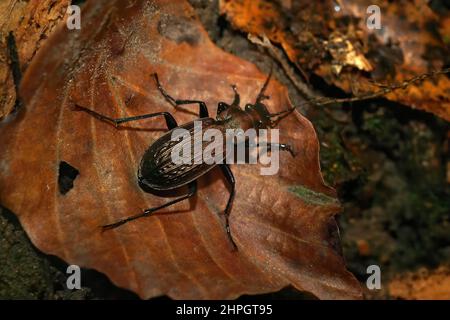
pixel 31 23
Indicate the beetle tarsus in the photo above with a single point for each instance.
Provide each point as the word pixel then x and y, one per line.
pixel 114 225
pixel 287 147
pixel 229 235
pixel 169 98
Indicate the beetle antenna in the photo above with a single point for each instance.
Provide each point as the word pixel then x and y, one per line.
pixel 284 112
pixel 261 96
pixel 281 115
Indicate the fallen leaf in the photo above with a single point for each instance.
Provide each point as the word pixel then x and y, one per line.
pixel 273 21
pixel 283 225
pixel 31 22
pixel 407 45
pixel 345 54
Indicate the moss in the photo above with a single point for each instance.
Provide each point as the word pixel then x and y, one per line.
pixel 401 208
pixel 312 197
pixel 337 162
pixel 421 225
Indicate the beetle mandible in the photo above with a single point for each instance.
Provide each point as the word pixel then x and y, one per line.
pixel 158 172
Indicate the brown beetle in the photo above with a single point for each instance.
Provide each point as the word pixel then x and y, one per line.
pixel 158 172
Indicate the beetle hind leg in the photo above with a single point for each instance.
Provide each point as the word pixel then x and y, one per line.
pixel 230 178
pixel 192 191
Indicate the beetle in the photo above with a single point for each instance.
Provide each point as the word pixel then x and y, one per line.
pixel 157 172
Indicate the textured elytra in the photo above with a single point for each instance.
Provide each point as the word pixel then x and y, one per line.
pixel 158 171
pixel 183 252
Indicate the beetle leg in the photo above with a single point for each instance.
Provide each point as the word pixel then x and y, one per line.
pixel 280 146
pixel 249 107
pixel 192 191
pixel 203 108
pixel 170 120
pixel 174 102
pixel 230 178
pixel 222 106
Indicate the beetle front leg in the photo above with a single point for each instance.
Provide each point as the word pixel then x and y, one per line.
pixel 203 113
pixel 192 191
pixel 230 178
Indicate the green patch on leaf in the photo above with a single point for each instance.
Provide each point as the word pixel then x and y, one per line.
pixel 312 197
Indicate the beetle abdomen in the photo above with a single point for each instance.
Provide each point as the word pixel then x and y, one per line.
pixel 157 169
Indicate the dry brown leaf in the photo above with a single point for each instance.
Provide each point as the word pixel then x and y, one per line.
pixel 267 18
pixel 345 54
pixel 422 285
pixel 283 225
pixel 406 46
pixel 411 29
pixel 31 22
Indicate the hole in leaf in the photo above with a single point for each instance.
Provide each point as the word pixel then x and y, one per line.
pixel 67 174
pixel 78 2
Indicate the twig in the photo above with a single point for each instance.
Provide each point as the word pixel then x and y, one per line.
pixel 380 93
pixel 278 55
pixel 14 65
pixel 318 100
